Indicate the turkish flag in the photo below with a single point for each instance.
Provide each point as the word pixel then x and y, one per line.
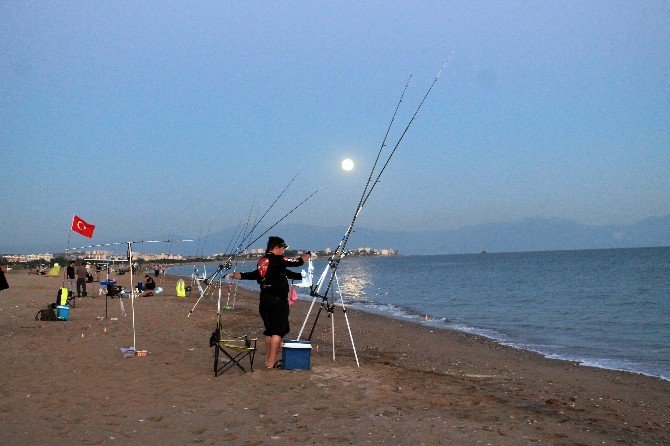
pixel 83 228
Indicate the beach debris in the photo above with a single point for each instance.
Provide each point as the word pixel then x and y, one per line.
pixel 128 352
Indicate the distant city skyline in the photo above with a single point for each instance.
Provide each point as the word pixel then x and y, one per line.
pixel 181 120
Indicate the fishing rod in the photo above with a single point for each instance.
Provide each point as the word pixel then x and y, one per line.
pixel 227 264
pixel 233 237
pixel 233 242
pixel 339 252
pixel 245 226
pixel 276 223
pixel 268 210
pixel 345 238
pixel 336 257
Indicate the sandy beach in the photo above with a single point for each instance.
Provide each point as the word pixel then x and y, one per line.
pixel 68 383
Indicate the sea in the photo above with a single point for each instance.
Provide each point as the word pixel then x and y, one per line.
pixel 602 308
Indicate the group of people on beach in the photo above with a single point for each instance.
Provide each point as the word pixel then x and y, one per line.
pixel 272 276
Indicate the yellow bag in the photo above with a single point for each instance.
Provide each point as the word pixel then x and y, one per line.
pixel 181 288
pixel 61 297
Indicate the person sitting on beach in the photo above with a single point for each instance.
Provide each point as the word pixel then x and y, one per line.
pixel 149 286
pixel 271 274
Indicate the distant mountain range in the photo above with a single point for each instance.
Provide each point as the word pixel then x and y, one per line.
pixel 528 234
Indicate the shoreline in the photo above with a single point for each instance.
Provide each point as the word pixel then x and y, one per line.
pixel 67 382
pixel 408 315
pixel 437 324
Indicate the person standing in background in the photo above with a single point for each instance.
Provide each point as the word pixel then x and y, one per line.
pixel 70 275
pixel 81 280
pixel 3 280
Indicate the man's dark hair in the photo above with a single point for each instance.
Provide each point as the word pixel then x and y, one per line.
pixel 273 242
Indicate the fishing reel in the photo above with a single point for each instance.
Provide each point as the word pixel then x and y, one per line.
pixel 330 307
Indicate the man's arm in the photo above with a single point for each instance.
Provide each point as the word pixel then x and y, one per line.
pixel 251 275
pixel 293 275
pixel 299 261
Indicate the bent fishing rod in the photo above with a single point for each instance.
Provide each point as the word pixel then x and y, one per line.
pixel 240 250
pixel 336 257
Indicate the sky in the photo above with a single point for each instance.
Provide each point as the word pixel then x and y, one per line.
pixel 175 119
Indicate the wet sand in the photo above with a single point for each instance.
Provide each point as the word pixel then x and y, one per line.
pixel 68 383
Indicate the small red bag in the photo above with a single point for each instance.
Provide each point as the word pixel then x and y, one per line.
pixel 292 295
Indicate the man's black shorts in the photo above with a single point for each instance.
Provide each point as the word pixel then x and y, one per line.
pixel 274 311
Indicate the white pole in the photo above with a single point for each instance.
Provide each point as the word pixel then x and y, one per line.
pixel 132 289
pixel 346 318
pixel 332 330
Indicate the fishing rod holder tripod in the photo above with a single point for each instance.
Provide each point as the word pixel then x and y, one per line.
pixel 209 281
pixel 329 306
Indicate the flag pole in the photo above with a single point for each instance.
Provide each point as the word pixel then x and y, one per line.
pixel 69 234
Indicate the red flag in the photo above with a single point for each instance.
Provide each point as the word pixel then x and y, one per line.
pixel 83 228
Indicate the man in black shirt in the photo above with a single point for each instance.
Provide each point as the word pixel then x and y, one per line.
pixel 272 276
pixel 69 272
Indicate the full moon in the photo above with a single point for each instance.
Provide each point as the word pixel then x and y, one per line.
pixel 347 164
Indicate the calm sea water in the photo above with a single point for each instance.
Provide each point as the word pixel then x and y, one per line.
pixel 604 308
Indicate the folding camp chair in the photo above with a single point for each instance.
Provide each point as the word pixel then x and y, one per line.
pixel 234 350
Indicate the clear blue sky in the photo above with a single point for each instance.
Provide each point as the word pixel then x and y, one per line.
pixel 163 118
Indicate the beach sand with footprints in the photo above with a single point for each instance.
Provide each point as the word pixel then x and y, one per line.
pixel 68 382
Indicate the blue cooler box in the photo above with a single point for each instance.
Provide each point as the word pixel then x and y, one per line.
pixel 62 312
pixel 295 355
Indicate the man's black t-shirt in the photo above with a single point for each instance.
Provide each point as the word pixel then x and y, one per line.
pixel 271 273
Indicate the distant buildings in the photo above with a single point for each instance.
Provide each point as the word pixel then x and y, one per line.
pixel 90 255
pixel 155 257
pixel 109 255
pixel 26 258
pixel 258 252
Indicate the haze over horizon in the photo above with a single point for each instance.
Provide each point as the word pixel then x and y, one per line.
pixel 171 119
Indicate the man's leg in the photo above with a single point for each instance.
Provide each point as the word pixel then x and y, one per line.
pixel 275 344
pixel 268 351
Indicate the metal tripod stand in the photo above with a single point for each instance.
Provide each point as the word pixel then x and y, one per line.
pixel 329 307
